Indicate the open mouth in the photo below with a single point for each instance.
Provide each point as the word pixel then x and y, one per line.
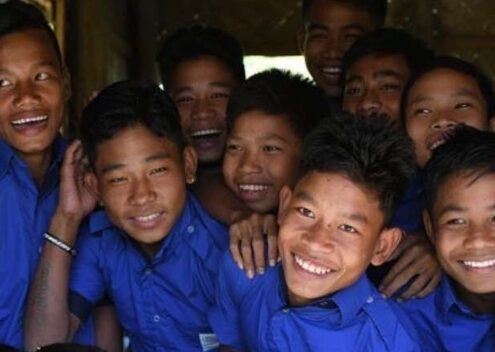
pixel 253 187
pixel 311 267
pixel 437 140
pixel 30 121
pixel 331 71
pixel 148 220
pixel 204 134
pixel 479 264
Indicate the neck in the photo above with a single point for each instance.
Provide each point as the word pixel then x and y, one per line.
pixel 480 303
pixel 38 164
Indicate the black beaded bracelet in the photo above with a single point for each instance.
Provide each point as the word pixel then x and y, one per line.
pixel 57 242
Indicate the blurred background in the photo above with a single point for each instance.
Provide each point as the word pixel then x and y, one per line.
pixel 109 40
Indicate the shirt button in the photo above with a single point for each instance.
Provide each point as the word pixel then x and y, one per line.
pixel 147 271
pixel 370 299
pixel 190 229
pixel 156 318
pixel 40 249
pixel 286 310
pixel 323 304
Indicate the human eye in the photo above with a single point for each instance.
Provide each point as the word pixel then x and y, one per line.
pixel 220 95
pixel 305 212
pixel 462 106
pixel 42 76
pixel 421 111
pixel 183 99
pixel 117 180
pixel 271 149
pixel 5 82
pixel 455 222
pixel 348 228
pixel 317 34
pixel 158 170
pixel 233 147
pixel 391 88
pixel 352 91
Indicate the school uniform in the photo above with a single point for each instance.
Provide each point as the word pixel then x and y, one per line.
pixel 445 323
pixel 254 315
pixel 25 214
pixel 162 302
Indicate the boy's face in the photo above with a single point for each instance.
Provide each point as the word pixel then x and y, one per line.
pixel 330 231
pixel 140 179
pixel 262 155
pixel 436 103
pixel 33 91
pixel 463 229
pixel 201 89
pixel 330 29
pixel 374 84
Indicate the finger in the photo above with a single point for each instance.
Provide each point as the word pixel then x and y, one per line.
pixel 234 245
pixel 416 286
pixel 271 231
pixel 430 286
pixel 246 251
pixel 254 232
pixel 400 279
pixel 403 262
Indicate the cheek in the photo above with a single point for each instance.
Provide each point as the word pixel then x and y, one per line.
pixel 229 167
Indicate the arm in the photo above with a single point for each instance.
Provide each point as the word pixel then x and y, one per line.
pixel 247 242
pixel 47 318
pixel 417 265
pixel 107 329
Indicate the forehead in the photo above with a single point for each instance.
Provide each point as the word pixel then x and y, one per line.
pixel 257 124
pixel 204 69
pixel 330 13
pixel 134 143
pixel 445 81
pixel 375 63
pixel 32 45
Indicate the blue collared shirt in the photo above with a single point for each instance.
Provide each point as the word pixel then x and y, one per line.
pixel 409 214
pixel 162 303
pixel 445 323
pixel 254 315
pixel 25 213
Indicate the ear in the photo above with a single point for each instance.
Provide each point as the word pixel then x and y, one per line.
pixel 428 226
pixel 91 183
pixel 66 84
pixel 190 159
pixel 492 124
pixel 388 240
pixel 301 36
pixel 284 198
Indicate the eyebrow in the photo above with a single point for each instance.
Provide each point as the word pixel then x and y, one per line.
pixel 378 74
pixel 356 217
pixel 457 209
pixel 305 196
pixel 116 166
pixel 463 92
pixel 212 84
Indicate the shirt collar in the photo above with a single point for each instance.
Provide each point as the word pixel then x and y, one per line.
pixel 448 300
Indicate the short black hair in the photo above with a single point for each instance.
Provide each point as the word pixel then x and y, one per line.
pixel 467 151
pixel 125 104
pixel 278 92
pixel 197 41
pixel 458 65
pixel 376 8
pixel 386 42
pixel 69 347
pixel 372 152
pixel 18 16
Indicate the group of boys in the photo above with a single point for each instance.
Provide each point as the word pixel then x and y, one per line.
pixel 221 162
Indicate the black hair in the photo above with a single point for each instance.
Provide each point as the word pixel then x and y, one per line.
pixel 458 65
pixel 466 151
pixel 376 8
pixel 69 347
pixel 6 348
pixel 197 41
pixel 125 104
pixel 386 42
pixel 277 92
pixel 18 16
pixel 372 152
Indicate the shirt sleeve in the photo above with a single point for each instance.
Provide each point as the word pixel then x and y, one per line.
pixel 86 287
pixel 224 316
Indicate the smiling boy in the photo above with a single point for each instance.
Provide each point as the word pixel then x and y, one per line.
pixel 153 248
pixel 460 221
pixel 332 226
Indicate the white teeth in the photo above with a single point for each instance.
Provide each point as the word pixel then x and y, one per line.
pixel 253 188
pixel 147 217
pixel 437 144
pixel 29 120
pixel 479 264
pixel 310 267
pixel 205 133
pixel 332 70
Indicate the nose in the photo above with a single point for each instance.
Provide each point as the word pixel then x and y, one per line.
pixel 202 109
pixel 319 236
pixel 480 238
pixel 333 48
pixel 443 122
pixel 250 162
pixel 26 94
pixel 141 192
pixel 369 103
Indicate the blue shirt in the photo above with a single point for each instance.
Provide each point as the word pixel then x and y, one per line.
pixel 254 315
pixel 162 303
pixel 445 323
pixel 25 213
pixel 409 214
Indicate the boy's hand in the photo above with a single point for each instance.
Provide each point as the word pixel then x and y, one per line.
pixel 417 259
pixel 247 242
pixel 75 200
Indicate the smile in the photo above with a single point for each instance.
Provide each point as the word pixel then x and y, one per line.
pixel 479 264
pixel 148 218
pixel 310 267
pixel 30 120
pixel 206 133
pixel 253 187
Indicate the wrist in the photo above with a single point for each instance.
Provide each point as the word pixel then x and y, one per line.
pixel 65 227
